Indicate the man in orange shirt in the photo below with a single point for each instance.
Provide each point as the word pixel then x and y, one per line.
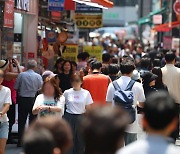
pixel 97 83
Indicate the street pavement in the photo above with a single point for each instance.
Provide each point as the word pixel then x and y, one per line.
pixel 12 149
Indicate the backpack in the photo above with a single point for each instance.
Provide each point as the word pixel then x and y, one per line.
pixel 125 99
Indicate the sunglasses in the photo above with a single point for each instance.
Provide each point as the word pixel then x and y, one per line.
pixel 1 75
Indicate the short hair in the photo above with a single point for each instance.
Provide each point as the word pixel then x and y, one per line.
pixel 83 55
pixel 38 141
pixel 160 109
pixel 127 66
pixel 156 62
pixel 170 56
pixel 106 57
pixel 103 128
pixel 95 65
pixel 60 130
pixel 113 69
pixel 74 63
pixel 146 63
pixel 31 64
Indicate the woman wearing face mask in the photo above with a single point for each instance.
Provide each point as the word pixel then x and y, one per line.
pixel 5 102
pixel 65 76
pixel 51 101
pixel 77 101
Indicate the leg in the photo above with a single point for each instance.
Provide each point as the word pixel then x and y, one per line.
pixel 22 117
pixel 4 129
pixel 129 138
pixel 11 116
pixel 2 145
pixel 30 107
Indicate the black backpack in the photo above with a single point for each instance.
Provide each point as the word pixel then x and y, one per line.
pixel 125 99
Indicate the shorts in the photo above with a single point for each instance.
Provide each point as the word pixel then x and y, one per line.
pixel 4 130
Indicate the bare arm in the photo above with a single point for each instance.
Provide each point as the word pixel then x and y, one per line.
pixel 5 109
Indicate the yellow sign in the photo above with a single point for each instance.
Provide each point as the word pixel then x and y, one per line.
pixel 71 52
pixel 88 21
pixel 94 51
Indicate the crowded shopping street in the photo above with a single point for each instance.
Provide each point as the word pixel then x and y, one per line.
pixel 89 76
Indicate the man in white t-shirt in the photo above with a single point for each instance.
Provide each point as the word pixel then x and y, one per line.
pixel 127 67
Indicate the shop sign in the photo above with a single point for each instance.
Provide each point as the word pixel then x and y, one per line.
pixel 9 14
pixel 167 42
pixel 88 21
pixel 157 19
pixel 82 8
pixel 51 36
pixel 31 55
pixel 56 5
pixel 71 52
pixel 22 5
pixel 94 51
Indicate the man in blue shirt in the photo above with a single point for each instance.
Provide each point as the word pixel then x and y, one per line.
pixel 27 84
pixel 159 121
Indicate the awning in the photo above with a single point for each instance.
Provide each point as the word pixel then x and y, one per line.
pixel 147 19
pixel 167 26
pixel 105 4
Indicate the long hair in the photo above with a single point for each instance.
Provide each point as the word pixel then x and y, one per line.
pixel 52 81
pixel 158 72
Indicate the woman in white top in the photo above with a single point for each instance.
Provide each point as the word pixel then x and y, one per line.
pixel 5 102
pixel 77 101
pixel 51 101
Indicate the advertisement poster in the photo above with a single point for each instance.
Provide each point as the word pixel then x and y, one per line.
pixel 167 42
pixel 9 14
pixel 56 5
pixel 71 52
pixel 94 51
pixel 22 5
pixel 51 36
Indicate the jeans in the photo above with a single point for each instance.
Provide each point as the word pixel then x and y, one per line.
pixel 4 129
pixel 25 106
pixel 129 138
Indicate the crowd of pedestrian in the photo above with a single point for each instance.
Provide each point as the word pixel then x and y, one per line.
pixel 94 107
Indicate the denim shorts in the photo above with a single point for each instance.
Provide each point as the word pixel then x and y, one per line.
pixel 4 130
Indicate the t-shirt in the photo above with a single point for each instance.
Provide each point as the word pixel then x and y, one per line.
pixel 97 85
pixel 76 101
pixel 49 101
pixel 5 98
pixel 139 96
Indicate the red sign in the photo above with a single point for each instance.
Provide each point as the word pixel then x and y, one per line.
pixel 69 5
pixel 31 55
pixel 9 14
pixel 177 7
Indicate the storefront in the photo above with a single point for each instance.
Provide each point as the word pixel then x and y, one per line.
pixel 19 40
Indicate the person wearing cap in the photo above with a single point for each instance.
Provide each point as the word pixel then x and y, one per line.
pixel 149 81
pixel 10 75
pixel 27 84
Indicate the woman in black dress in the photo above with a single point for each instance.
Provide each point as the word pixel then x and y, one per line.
pixel 65 76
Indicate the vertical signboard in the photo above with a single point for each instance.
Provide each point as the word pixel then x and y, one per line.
pixel 9 14
pixel 56 5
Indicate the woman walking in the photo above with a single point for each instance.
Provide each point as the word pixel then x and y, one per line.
pixel 77 101
pixel 5 102
pixel 51 101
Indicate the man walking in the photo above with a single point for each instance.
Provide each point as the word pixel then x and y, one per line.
pixel 97 83
pixel 27 84
pixel 127 67
pixel 171 78
pixel 159 121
